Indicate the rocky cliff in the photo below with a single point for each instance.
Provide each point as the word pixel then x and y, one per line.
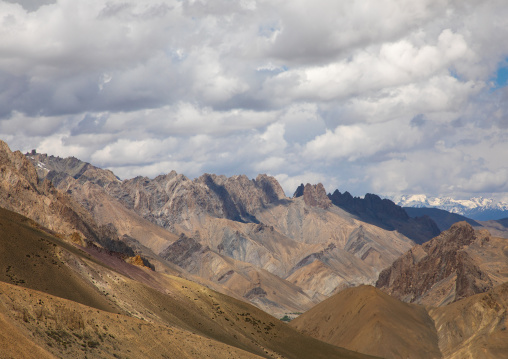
pixel 313 195
pixel 458 263
pixel 23 192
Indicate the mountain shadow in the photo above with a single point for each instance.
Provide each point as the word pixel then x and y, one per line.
pixel 387 215
pixel 443 219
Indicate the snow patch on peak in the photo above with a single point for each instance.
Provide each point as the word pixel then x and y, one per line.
pixel 479 208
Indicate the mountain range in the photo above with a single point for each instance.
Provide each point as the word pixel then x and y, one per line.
pixel 58 300
pixel 245 236
pixel 98 267
pixel 476 208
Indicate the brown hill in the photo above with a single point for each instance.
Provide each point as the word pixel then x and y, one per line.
pixel 125 310
pixel 475 327
pixel 370 321
pixel 367 320
pixel 32 258
pixel 36 325
pixel 458 263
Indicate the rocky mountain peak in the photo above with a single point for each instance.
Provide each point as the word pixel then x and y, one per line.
pixel 271 188
pixel 57 169
pixel 22 168
pixel 171 176
pixel 313 195
pixel 439 271
pixel 371 205
pixel 240 195
pixel 459 235
pixel 299 191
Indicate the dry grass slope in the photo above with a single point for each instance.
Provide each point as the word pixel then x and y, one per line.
pixel 370 321
pixel 59 301
pixel 367 320
pixel 475 327
pixel 37 325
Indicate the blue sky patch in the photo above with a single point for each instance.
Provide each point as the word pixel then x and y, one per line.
pixel 501 77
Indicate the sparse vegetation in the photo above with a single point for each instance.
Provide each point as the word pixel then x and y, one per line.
pixel 286 318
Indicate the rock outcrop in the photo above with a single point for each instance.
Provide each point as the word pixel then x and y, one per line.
pixel 245 227
pixel 456 264
pixel 313 195
pixel 21 191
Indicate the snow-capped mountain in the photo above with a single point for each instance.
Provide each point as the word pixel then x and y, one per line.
pixel 478 208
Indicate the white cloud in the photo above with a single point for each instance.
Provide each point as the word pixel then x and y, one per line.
pixel 124 152
pixel 358 141
pixel 355 94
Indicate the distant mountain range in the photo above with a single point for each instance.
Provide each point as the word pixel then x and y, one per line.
pixel 92 266
pixel 478 208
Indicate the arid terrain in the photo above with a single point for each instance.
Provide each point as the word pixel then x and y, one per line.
pixel 242 237
pixel 95 267
pixel 59 300
pixel 369 321
pixel 460 262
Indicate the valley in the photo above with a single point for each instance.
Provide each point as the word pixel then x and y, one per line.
pixel 93 266
pixel 242 237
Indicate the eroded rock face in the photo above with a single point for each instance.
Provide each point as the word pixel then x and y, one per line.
pixel 245 227
pixel 182 250
pixel 313 195
pixel 440 271
pixel 21 191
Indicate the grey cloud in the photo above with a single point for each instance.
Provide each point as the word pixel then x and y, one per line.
pixel 91 123
pixel 314 33
pixel 32 5
pixel 357 95
pixel 419 120
pixel 12 89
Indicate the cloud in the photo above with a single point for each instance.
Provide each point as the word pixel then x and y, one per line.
pixel 390 65
pixel 357 95
pixel 485 182
pixel 32 5
pixel 360 141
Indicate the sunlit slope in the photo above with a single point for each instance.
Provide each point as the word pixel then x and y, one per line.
pixel 475 327
pixel 37 325
pixel 370 321
pixel 144 311
pixel 367 320
pixel 32 258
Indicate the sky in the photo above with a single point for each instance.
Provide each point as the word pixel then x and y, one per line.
pixel 366 96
